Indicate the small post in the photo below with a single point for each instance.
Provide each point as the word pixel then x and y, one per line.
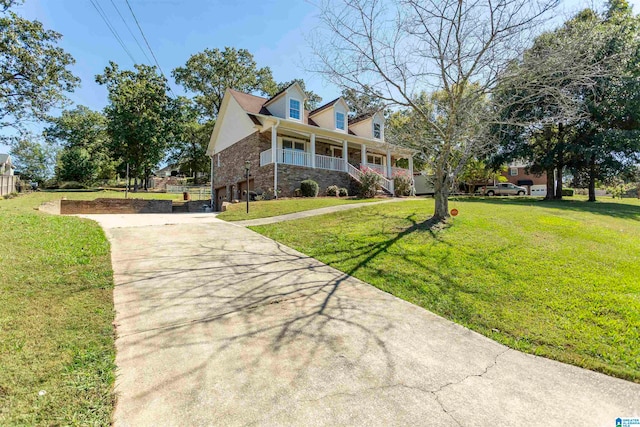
pixel 126 191
pixel 247 165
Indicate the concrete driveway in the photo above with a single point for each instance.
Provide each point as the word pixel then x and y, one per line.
pixel 218 325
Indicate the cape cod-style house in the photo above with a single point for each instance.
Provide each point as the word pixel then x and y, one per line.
pixel 285 144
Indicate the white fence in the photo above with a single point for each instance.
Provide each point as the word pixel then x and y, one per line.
pixel 7 184
pixel 196 193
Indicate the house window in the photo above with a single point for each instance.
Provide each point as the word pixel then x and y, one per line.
pixel 336 152
pixel 513 171
pixel 294 109
pixel 374 159
pixel 376 130
pixel 292 145
pixel 340 121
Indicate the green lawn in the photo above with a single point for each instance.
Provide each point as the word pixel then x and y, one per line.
pixel 556 279
pixel 264 209
pixel 56 314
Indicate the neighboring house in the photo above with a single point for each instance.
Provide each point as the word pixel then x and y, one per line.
pixel 286 144
pixel 6 168
pixel 7 178
pixel 516 173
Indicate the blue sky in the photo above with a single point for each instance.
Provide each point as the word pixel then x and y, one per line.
pixel 274 31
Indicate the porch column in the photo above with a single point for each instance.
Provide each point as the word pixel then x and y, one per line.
pixel 388 163
pixel 345 155
pixel 363 157
pixel 313 150
pixel 274 158
pixel 413 182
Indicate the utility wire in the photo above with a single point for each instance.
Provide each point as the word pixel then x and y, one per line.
pixel 111 28
pixel 130 32
pixel 148 45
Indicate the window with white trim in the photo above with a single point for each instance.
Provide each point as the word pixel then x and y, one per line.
pixel 377 130
pixel 374 159
pixel 339 120
pixel 294 109
pixel 513 171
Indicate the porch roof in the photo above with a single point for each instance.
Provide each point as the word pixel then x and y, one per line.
pixel 268 121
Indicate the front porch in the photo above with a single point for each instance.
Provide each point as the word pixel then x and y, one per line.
pixel 343 156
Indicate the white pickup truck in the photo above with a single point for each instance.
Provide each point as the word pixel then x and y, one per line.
pixel 502 189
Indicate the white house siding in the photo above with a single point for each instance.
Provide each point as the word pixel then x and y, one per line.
pixel 235 126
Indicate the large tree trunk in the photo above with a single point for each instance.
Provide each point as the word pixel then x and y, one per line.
pixel 441 197
pixel 550 185
pixel 560 162
pixel 135 184
pixel 592 178
pixel 558 194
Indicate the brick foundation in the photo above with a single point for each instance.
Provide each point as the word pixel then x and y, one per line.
pixel 106 206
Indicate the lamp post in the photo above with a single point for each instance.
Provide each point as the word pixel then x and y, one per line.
pixel 247 165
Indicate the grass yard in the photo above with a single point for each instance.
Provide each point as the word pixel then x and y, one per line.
pixel 56 314
pixel 268 208
pixel 555 279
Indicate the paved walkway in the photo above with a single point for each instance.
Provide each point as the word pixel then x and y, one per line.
pixel 218 325
pixel 315 212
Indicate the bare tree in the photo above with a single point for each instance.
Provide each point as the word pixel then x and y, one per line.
pixel 452 50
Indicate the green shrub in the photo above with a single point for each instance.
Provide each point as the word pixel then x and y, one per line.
pixel 567 192
pixel 402 184
pixel 343 192
pixel 309 188
pixel 369 183
pixel 332 190
pixel 72 185
pixel 297 193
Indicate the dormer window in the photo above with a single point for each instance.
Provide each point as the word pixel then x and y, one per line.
pixel 294 109
pixel 339 120
pixel 376 130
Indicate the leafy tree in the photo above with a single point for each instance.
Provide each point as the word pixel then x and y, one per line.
pixel 189 148
pixel 75 164
pixel 607 142
pixel 209 73
pixel 362 102
pixel 541 97
pixel 32 159
pixel 140 117
pixel 86 130
pixel 313 99
pixel 33 70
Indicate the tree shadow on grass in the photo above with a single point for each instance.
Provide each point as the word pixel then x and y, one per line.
pixel 613 209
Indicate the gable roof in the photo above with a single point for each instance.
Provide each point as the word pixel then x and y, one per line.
pixel 325 106
pixel 362 117
pixel 281 91
pixel 253 104
pixel 4 158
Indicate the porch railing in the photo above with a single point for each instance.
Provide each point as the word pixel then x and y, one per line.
pixel 330 163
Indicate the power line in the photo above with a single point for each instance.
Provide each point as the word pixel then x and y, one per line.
pixel 111 28
pixel 148 46
pixel 130 32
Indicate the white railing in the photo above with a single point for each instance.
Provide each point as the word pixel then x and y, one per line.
pixel 294 157
pixel 387 184
pixel 265 157
pixel 353 171
pixel 330 163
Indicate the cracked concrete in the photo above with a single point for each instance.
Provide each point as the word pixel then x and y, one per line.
pixel 218 325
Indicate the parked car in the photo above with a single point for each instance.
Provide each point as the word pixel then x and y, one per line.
pixel 502 189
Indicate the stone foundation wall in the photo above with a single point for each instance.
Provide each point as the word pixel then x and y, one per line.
pixel 290 177
pixel 229 164
pixel 106 206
